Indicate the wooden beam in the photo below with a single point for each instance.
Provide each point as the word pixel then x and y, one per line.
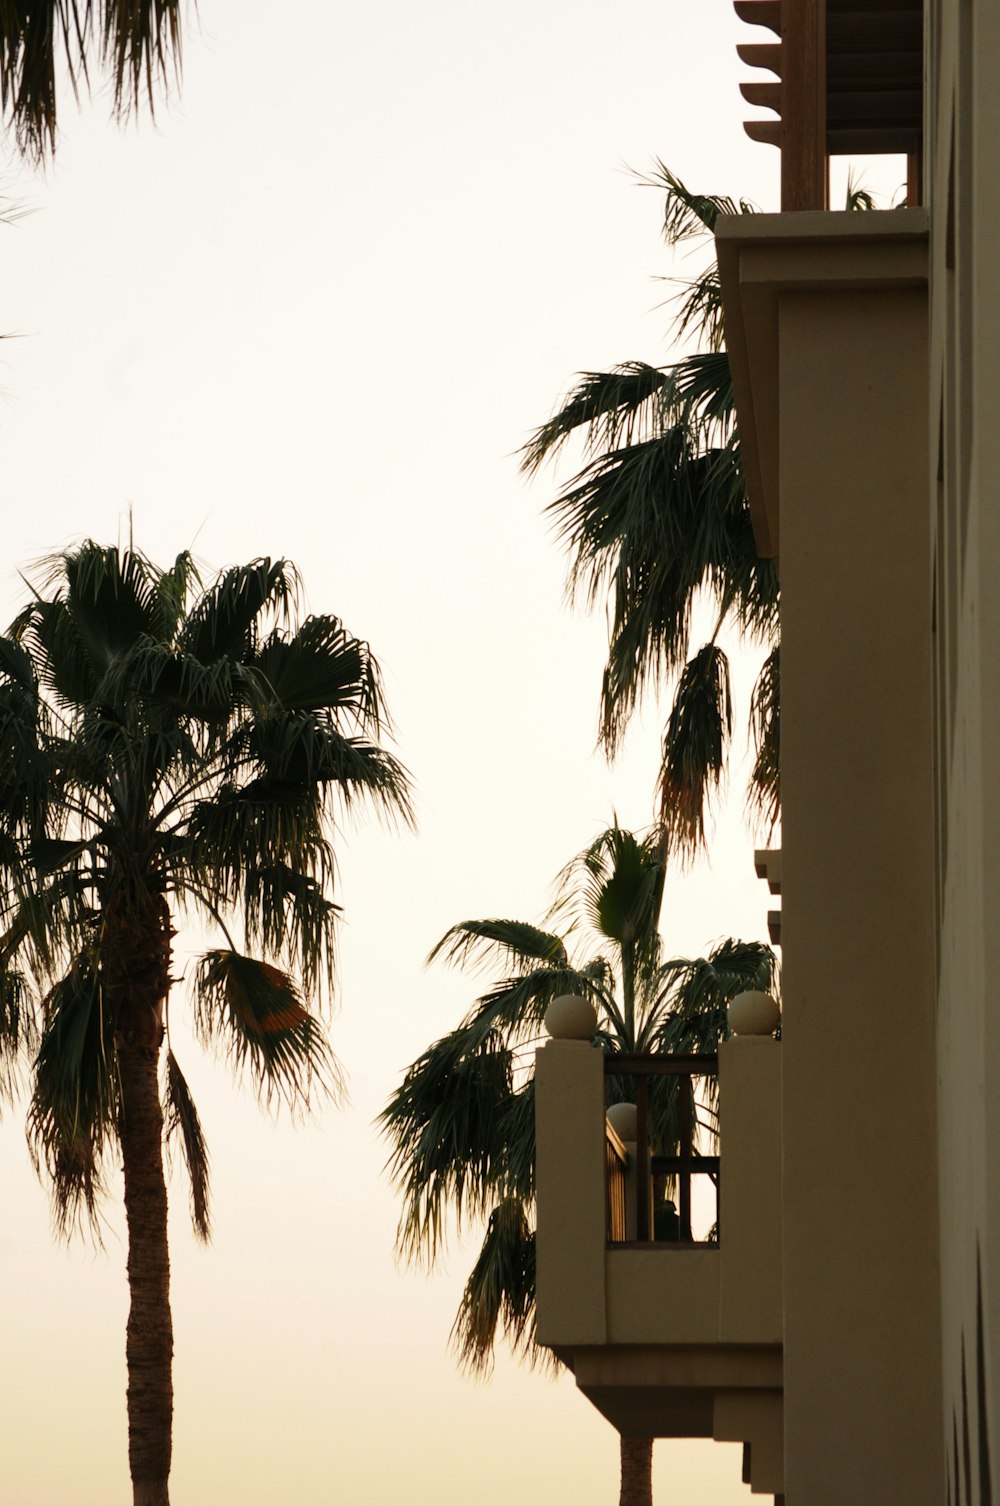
pixel 760 55
pixel 767 132
pixel 760 13
pixel 804 175
pixel 768 96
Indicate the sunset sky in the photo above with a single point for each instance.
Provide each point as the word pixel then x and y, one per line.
pixel 314 311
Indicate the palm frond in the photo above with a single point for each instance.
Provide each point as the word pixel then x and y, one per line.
pixel 699 309
pixel 764 790
pixel 613 408
pixel 173 587
pixel 254 1013
pixel 235 831
pixel 688 215
pixel 856 196
pixel 142 43
pixel 461 1124
pixel 694 748
pixel 18 1035
pixel 616 885
pixel 475 943
pixel 157 678
pixel 225 621
pixel 518 1140
pixel 499 1296
pixel 516 1006
pixel 659 514
pixel 653 526
pixel 445 1124
pixel 322 667
pixel 181 1118
pixel 110 597
pixel 702 394
pixel 73 1115
pixel 138 40
pixel 288 913
pixel 64 666
pixel 696 993
pixel 310 750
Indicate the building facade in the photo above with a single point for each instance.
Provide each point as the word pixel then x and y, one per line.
pixel 845 1327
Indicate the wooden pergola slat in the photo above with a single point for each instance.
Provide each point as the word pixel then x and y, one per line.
pixel 850 80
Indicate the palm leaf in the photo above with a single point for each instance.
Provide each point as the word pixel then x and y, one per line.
pixel 696 993
pixel 694 748
pixel 17 1030
pixel 619 880
pixel 687 215
pixel 613 408
pixel 110 598
pixel 224 621
pixel 288 913
pixel 255 1014
pixel 516 1006
pixel 138 40
pixel 73 1114
pixel 474 943
pixel 181 1118
pixel 64 665
pixel 657 517
pixel 172 589
pixel 764 791
pixel 461 1124
pixel 499 1296
pixel 445 1124
pixel 323 668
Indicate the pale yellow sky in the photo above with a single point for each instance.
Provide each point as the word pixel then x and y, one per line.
pixel 313 312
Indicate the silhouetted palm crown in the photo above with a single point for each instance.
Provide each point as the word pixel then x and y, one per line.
pixel 173 749
pixel 461 1124
pixel 657 519
pixel 169 749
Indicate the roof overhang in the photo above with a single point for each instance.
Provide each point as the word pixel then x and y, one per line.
pixel 762 257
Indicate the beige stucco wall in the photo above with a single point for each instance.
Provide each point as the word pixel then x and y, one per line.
pixel 570 1194
pixel 826 325
pixel 725 1294
pixel 861 1296
pixel 729 1294
pixel 964 464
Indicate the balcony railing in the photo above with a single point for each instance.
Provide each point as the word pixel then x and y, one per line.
pixel 646 1174
pixel 616 1161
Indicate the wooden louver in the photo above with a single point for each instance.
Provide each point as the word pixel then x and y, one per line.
pixel 849 80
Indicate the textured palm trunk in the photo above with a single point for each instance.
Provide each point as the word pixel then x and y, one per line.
pixel 136 958
pixel 637 1472
pixel 149 1343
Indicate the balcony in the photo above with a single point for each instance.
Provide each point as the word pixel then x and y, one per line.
pixel 659 1274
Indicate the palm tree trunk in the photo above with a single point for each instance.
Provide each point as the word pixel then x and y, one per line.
pixel 136 967
pixel 637 1472
pixel 149 1338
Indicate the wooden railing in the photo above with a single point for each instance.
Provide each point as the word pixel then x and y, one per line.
pixel 649 1165
pixel 616 1163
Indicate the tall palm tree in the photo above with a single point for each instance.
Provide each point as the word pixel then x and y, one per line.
pixel 461 1125
pixel 657 520
pixel 137 41
pixel 171 749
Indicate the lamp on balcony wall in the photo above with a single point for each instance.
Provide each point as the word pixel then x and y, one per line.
pixel 754 1013
pixel 570 1017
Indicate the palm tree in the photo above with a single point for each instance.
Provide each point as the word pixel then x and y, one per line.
pixel 657 519
pixel 137 41
pixel 461 1125
pixel 172 749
